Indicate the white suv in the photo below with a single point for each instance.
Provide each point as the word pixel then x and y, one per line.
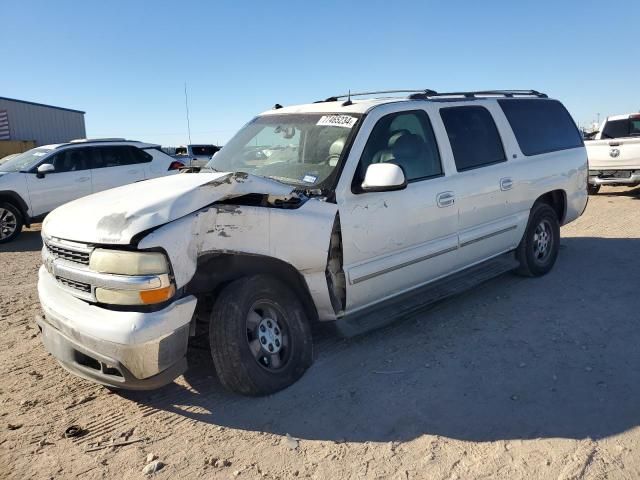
pixel 37 181
pixel 340 210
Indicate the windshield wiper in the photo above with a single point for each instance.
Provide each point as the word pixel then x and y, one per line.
pixel 285 180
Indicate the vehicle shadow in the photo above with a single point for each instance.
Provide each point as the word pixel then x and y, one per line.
pixel 618 192
pixel 515 358
pixel 28 241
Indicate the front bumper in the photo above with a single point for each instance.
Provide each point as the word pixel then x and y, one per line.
pixel 130 350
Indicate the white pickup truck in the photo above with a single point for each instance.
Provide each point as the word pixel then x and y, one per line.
pixel 614 153
pixel 356 211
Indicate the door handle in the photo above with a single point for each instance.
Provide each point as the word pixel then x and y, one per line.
pixel 82 179
pixel 506 184
pixel 445 199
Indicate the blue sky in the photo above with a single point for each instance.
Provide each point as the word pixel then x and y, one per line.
pixel 125 62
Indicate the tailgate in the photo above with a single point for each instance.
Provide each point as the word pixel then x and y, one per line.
pixel 615 153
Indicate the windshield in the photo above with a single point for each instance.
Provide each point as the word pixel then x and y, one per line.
pixel 24 161
pixel 298 149
pixel 204 150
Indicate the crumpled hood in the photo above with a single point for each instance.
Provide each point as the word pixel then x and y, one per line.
pixel 115 216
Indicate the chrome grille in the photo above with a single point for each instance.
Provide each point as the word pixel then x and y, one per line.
pixel 68 254
pixel 83 287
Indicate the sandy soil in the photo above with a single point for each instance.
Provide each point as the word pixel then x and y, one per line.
pixel 518 378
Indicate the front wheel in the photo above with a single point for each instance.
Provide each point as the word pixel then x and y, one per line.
pixel 10 222
pixel 539 246
pixel 260 336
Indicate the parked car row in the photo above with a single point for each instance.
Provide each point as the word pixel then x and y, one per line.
pixel 340 210
pixel 35 182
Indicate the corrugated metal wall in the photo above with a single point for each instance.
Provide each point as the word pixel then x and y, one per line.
pixel 41 123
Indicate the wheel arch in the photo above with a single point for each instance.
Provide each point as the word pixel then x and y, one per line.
pixel 8 196
pixel 215 270
pixel 556 199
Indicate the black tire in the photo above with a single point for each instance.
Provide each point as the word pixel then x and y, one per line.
pixel 593 189
pixel 246 367
pixel 538 249
pixel 11 222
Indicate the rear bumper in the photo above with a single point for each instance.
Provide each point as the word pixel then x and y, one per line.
pixel 130 350
pixel 614 177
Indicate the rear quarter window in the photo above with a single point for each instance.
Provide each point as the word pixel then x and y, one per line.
pixel 541 126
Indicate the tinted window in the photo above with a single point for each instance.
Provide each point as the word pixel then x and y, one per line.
pixel 204 150
pixel 541 126
pixel 405 139
pixel 474 137
pixel 116 156
pixel 70 160
pixel 140 155
pixel 621 128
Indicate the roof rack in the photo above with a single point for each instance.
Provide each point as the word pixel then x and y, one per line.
pixel 96 140
pixel 335 98
pixel 428 94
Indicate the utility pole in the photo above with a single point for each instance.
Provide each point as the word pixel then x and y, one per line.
pixel 186 104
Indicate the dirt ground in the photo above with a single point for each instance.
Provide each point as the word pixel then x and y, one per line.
pixel 518 378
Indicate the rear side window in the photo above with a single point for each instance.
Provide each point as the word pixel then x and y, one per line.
pixel 117 156
pixel 474 137
pixel 541 126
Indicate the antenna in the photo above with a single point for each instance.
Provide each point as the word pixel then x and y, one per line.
pixel 186 104
pixel 348 101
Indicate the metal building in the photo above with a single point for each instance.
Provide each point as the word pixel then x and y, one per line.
pixel 43 124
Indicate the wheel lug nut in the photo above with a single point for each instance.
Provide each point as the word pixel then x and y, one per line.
pixel 276 331
pixel 269 324
pixel 270 348
pixel 262 329
pixel 263 340
pixel 277 343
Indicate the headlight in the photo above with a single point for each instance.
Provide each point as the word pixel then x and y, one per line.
pixel 119 290
pixel 128 263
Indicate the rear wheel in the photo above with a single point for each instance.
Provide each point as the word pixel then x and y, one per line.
pixel 538 249
pixel 10 222
pixel 259 335
pixel 593 189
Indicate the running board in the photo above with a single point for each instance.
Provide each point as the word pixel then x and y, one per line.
pixel 416 300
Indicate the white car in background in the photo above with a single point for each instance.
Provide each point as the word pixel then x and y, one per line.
pixel 35 182
pixel 195 155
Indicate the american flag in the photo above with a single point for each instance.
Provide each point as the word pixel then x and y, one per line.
pixel 4 125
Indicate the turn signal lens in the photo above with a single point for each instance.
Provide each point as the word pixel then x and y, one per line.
pixel 159 295
pixel 134 297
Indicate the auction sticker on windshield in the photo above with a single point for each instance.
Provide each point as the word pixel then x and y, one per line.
pixel 346 121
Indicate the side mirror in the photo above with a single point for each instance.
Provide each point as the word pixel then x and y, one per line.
pixel 384 177
pixel 44 169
